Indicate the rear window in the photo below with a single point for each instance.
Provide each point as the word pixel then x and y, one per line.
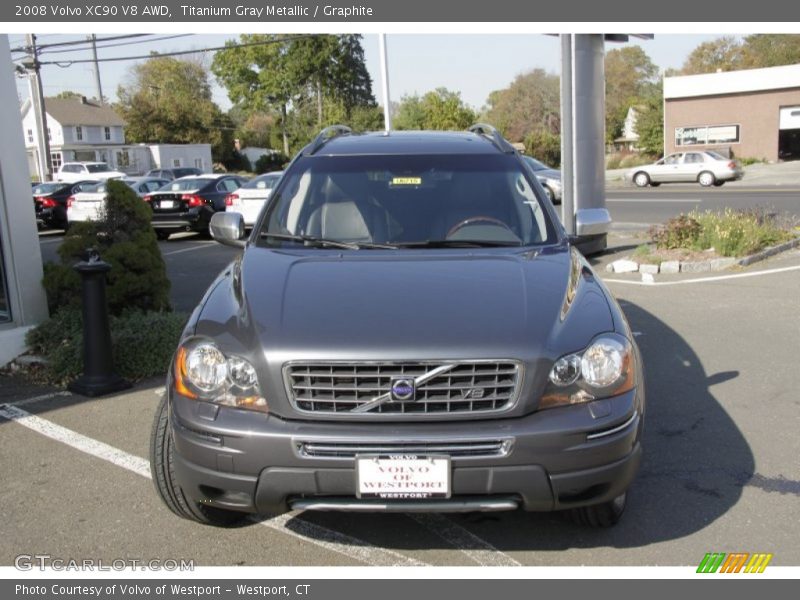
pixel 97 168
pixel 401 199
pixel 47 188
pixel 262 182
pixel 185 171
pixel 182 185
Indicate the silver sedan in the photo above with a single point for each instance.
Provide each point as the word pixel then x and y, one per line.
pixel 704 167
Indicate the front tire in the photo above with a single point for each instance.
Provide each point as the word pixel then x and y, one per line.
pixel 170 492
pixel 602 515
pixel 706 179
pixel 641 179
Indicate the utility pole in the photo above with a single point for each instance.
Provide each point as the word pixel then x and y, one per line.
pixel 31 63
pixel 96 65
pixel 387 114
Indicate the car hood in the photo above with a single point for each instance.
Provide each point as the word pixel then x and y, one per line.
pixel 405 305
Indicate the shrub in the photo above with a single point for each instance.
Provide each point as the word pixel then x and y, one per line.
pixel 738 233
pixel 544 146
pixel 729 233
pixel 270 162
pixel 125 240
pixel 143 344
pixel 679 232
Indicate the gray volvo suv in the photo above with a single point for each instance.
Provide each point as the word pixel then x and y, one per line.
pixel 408 328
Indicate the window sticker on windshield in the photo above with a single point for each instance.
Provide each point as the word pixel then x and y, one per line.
pixel 406 180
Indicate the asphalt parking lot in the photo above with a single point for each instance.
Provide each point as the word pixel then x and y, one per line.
pixel 720 472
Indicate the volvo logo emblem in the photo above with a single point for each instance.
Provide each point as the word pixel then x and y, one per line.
pixel 403 390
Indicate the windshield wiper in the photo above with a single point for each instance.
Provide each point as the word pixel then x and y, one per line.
pixel 310 240
pixel 460 244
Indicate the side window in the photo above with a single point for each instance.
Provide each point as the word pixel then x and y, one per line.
pixel 232 185
pixel 693 158
pixel 221 187
pixel 672 159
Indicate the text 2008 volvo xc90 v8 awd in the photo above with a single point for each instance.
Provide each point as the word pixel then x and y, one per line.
pixel 408 328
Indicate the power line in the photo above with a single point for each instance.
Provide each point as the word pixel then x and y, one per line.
pixel 78 42
pixel 99 47
pixel 69 63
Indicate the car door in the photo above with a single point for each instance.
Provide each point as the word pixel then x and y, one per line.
pixel 224 186
pixel 689 168
pixel 669 170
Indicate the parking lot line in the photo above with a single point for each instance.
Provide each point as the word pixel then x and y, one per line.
pixel 199 246
pixel 478 549
pixel 704 279
pixel 74 439
pixel 652 201
pixel 315 534
pixel 35 399
pixel 339 542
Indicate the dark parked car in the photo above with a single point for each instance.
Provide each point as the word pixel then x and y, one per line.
pixel 174 173
pixel 50 201
pixel 186 204
pixel 408 328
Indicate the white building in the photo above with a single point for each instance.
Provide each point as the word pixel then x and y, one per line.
pixel 85 130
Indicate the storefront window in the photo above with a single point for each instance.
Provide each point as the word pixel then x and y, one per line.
pixel 706 135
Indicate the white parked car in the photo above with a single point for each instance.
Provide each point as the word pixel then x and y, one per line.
pixel 704 167
pixel 77 171
pixel 249 198
pixel 89 204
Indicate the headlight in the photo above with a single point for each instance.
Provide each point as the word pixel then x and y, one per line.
pixel 203 372
pixel 604 369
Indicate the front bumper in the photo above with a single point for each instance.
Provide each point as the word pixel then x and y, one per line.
pixel 556 459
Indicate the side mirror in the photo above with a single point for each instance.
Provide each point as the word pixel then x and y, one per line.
pixel 228 228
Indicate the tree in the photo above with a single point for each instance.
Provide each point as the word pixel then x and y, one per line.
pixel 532 103
pixel 650 124
pixel 290 77
pixel 67 94
pixel 630 76
pixel 168 101
pixel 770 50
pixel 125 239
pixel 724 54
pixel 440 109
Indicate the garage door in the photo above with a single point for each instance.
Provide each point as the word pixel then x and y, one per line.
pixel 790 118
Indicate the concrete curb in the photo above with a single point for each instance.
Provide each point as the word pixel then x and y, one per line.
pixel 767 252
pixel 627 265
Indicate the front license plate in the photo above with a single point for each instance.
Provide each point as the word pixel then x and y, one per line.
pixel 166 204
pixel 403 477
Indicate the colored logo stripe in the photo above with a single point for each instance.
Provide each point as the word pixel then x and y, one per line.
pixel 758 563
pixel 734 562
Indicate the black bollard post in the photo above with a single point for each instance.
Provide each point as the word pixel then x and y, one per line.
pixel 98 377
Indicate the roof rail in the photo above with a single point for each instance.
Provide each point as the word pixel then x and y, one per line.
pixel 493 136
pixel 324 136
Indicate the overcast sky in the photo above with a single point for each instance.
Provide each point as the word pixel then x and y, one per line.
pixel 474 65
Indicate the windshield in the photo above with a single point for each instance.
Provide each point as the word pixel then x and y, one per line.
pixel 101 168
pixel 402 200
